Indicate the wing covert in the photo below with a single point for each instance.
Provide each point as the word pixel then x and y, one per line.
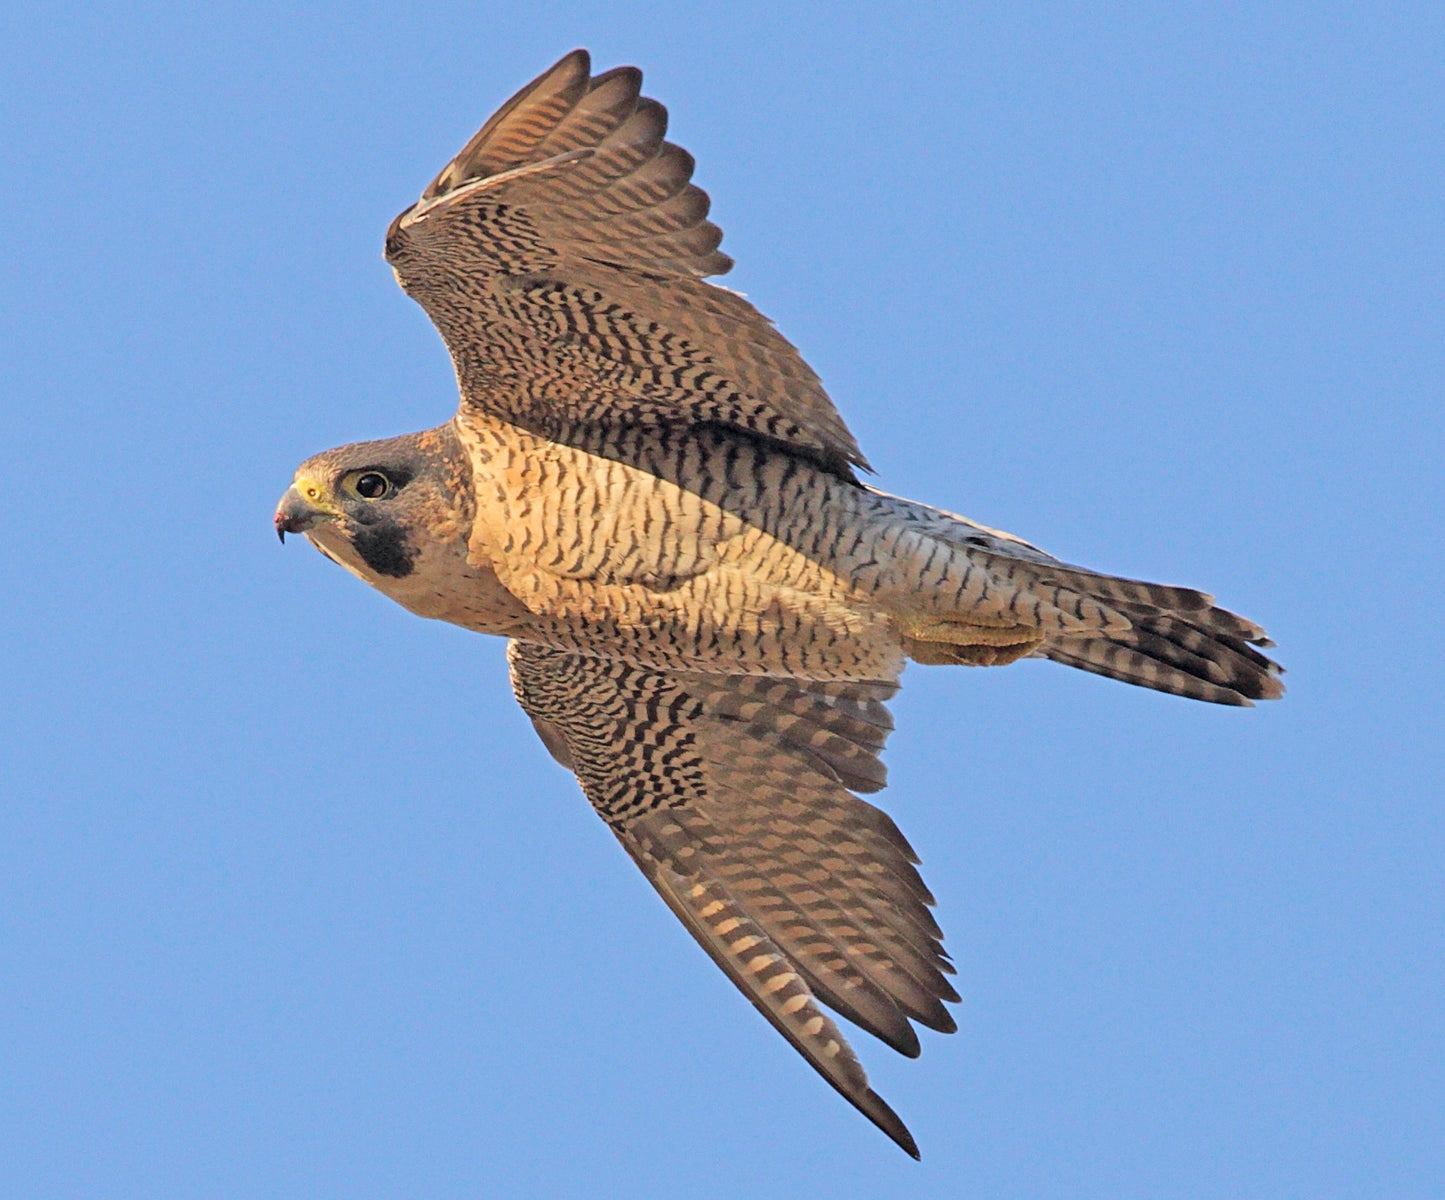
pixel 562 256
pixel 729 793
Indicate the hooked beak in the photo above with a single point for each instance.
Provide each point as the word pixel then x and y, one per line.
pixel 296 514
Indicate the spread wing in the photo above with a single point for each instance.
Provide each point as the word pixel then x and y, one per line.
pixel 562 253
pixel 731 793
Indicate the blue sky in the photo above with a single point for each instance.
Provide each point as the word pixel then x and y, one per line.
pixel 292 903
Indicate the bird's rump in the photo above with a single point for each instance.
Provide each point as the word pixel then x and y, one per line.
pixel 1171 639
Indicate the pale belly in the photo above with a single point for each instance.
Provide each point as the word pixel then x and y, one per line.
pixel 676 559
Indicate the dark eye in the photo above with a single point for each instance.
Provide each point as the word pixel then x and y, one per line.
pixel 373 485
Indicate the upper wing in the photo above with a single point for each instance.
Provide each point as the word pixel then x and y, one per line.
pixel 731 793
pixel 562 253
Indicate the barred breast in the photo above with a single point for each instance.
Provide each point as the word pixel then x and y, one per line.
pixel 673 549
pixel 699 548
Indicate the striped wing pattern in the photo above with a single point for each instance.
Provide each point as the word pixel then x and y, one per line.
pixel 562 255
pixel 732 794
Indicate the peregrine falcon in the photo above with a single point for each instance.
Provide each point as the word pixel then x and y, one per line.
pixel 647 490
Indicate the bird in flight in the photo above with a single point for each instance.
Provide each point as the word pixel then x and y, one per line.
pixel 647 490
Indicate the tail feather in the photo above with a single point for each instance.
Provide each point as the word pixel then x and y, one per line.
pixel 1198 656
pixel 1172 639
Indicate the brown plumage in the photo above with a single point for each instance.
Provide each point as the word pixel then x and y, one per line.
pixel 648 490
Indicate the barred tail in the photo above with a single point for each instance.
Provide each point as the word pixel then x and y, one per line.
pixel 1171 639
pixel 1199 655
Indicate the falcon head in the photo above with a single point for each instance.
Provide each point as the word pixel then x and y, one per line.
pixel 377 507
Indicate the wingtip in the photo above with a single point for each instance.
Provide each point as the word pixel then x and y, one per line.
pixel 578 60
pixel 877 1110
pixel 633 76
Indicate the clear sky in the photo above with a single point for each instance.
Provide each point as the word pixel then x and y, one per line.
pixel 292 902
